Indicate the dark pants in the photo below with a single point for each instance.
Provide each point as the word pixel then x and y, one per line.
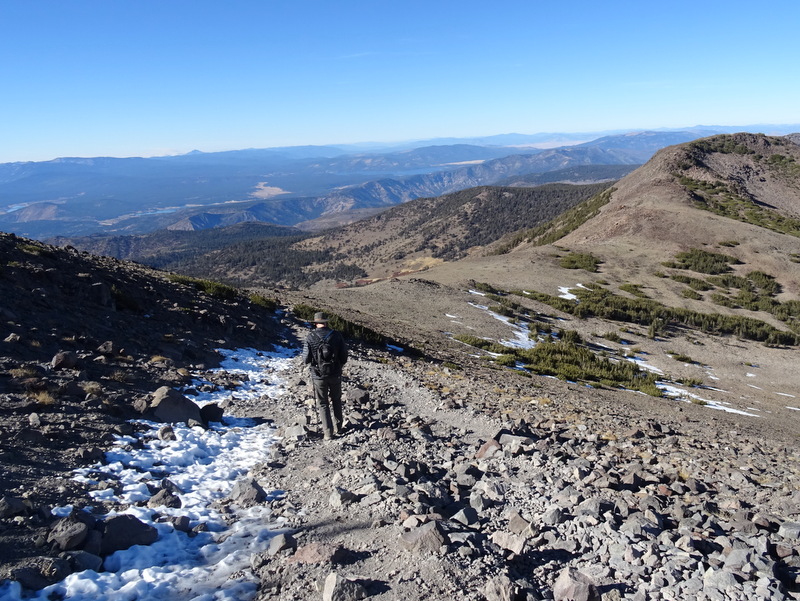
pixel 328 395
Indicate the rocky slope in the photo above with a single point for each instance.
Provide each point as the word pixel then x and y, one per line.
pixel 84 341
pixel 455 478
pixel 476 483
pixel 490 486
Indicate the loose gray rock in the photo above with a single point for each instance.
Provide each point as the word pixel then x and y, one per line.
pixel 11 506
pixel 428 538
pixel 553 516
pixel 82 560
pixel 211 412
pixel 68 533
pixel 720 580
pixel 247 493
pixel 39 572
pixel 467 516
pixel 316 553
pixel 108 349
pixel 167 433
pixel 164 498
pixel 511 542
pixel 501 588
pixel 338 588
pixel 790 530
pixel 296 432
pixel 283 543
pixel 572 585
pixel 341 497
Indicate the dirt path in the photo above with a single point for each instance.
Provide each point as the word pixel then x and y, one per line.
pixel 379 507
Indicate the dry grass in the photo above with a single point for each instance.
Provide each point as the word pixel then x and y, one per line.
pixel 91 387
pixel 43 397
pixel 20 373
pixel 121 376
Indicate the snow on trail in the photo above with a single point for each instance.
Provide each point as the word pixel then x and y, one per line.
pixel 204 464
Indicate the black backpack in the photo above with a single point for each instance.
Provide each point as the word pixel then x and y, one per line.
pixel 325 355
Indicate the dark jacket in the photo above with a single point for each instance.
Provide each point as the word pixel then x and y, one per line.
pixel 314 340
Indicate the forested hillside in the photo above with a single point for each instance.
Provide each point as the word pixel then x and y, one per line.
pixel 171 245
pixel 404 238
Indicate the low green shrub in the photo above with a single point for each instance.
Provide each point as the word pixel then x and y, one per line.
pixel 634 289
pixel 703 261
pixel 215 289
pixel 123 301
pixel 695 283
pixel 263 302
pixel 505 360
pixel 680 357
pixel 36 250
pixel 347 328
pixel 585 261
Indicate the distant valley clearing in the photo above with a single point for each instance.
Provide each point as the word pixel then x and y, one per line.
pixel 264 190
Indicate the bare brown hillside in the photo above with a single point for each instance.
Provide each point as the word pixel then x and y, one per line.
pixel 652 215
pixel 429 231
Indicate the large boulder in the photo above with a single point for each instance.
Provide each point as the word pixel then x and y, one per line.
pixel 64 360
pixel 38 572
pixel 68 533
pixel 124 531
pixel 170 406
pixel 11 506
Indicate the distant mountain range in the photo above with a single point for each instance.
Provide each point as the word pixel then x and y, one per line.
pixel 285 186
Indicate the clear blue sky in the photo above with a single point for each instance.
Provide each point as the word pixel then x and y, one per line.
pixel 150 77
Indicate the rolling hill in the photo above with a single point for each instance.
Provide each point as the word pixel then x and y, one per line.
pixel 404 238
pixel 689 266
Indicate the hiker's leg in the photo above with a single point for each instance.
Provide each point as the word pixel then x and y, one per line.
pixel 335 389
pixel 323 409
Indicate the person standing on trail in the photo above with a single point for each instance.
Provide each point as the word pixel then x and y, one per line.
pixel 325 351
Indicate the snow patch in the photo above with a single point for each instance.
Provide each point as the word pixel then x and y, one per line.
pixel 565 293
pixel 684 395
pixel 204 464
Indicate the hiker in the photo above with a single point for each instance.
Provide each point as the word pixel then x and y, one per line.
pixel 326 352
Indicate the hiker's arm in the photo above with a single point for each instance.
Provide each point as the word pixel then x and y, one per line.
pixel 306 351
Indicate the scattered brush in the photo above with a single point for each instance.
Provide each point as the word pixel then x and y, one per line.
pixel 21 373
pixel 215 289
pixel 681 357
pixel 43 397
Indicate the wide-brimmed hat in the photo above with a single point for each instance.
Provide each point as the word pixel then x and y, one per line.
pixel 320 317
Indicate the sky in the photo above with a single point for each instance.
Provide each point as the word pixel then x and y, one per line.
pixel 148 78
